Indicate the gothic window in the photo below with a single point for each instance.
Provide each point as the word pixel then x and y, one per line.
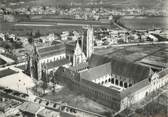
pixel 109 80
pixel 130 85
pixel 121 83
pixel 116 82
pixel 125 85
pixel 112 80
pixel 78 60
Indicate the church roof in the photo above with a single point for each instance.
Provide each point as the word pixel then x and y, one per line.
pixel 51 50
pixel 52 53
pixel 57 63
pixel 71 45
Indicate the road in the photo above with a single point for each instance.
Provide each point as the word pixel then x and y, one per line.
pixel 43 102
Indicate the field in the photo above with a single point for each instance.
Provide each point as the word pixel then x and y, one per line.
pixel 144 23
pixel 153 54
pixel 47 24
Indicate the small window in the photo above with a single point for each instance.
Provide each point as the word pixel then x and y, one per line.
pixel 121 83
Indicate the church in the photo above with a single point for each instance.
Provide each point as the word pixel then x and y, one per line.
pixel 46 60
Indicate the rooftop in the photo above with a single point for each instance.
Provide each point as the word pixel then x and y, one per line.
pixel 125 69
pixel 57 63
pixel 29 107
pixel 48 113
pixel 51 50
pixel 135 88
pixel 7 72
pixel 8 103
pixel 96 72
pixel 79 67
pixel 130 70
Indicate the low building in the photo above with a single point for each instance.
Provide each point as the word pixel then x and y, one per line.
pixel 29 109
pixel 9 106
pixel 48 113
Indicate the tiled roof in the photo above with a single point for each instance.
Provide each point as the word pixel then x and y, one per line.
pixel 48 113
pixel 125 69
pixel 57 63
pixel 51 50
pixel 22 67
pixel 130 70
pixel 96 60
pixel 79 67
pixel 6 72
pixel 96 72
pixel 52 53
pixel 70 47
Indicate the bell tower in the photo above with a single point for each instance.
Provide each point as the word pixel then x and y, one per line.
pixel 88 41
pixel 36 66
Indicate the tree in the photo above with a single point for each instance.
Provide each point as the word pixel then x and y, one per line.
pixel 37 34
pixel 30 40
